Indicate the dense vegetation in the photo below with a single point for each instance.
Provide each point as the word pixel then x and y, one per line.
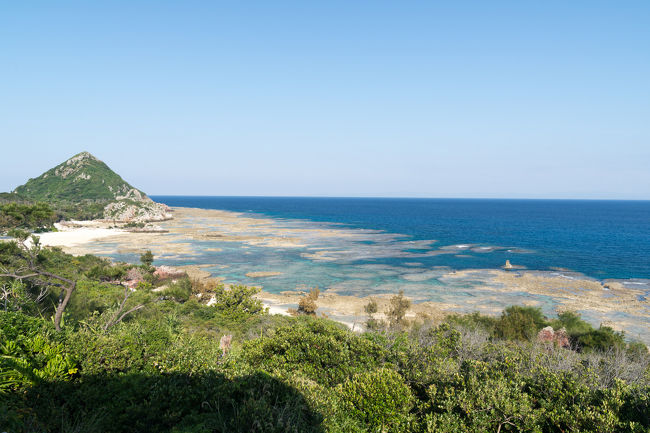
pixel 82 177
pixel 80 188
pixel 154 359
pixel 37 216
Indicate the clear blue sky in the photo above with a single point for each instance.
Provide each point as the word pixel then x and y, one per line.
pixel 334 98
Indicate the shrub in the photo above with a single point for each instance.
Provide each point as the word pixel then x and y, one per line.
pixel 307 304
pixel 399 305
pixel 473 321
pixel 146 259
pixel 520 323
pixel 380 400
pixel 322 350
pixel 237 301
pixel 601 339
pixel 180 291
pixel 29 354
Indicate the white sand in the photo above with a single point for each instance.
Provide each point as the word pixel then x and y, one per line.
pixel 67 236
pixel 274 309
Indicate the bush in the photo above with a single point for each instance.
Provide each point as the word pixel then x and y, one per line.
pixel 601 339
pixel 322 350
pixel 307 304
pixel 237 301
pixel 175 402
pixel 29 354
pixel 179 291
pixel 380 400
pixel 520 323
pixel 399 305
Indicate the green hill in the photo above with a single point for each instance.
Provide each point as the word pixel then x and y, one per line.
pixel 83 187
pixel 82 177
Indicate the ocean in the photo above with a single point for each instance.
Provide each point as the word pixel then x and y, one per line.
pixel 600 239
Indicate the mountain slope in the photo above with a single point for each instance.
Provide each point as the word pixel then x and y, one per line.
pixel 84 178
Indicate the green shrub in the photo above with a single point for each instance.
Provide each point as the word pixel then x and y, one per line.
pixel 380 400
pixel 601 339
pixel 573 323
pixel 322 350
pixel 237 301
pixel 29 354
pixel 38 216
pixel 520 323
pixel 473 321
pixel 180 291
pixel 174 402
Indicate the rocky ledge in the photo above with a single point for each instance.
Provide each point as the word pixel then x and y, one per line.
pixel 142 210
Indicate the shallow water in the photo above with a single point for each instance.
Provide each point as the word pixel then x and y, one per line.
pixel 602 239
pixel 355 247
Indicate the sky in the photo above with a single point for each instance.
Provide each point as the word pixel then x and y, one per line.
pixel 333 98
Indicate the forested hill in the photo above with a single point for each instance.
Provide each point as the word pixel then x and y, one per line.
pixel 83 187
pixel 82 177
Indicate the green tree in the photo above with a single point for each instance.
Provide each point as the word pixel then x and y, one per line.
pixel 146 258
pixel 520 323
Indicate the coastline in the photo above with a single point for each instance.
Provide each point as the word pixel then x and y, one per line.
pixel 185 240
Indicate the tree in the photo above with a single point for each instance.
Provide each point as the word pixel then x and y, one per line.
pixel 520 323
pixel 371 309
pixel 399 305
pixel 27 263
pixel 38 216
pixel 146 258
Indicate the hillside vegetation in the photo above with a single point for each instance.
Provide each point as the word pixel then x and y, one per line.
pixel 82 177
pixel 159 359
pixel 83 187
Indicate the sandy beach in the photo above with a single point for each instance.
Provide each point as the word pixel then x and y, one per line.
pixel 74 233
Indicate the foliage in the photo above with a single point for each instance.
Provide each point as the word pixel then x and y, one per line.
pixel 146 258
pixel 602 338
pixel 161 369
pixel 28 353
pixel 37 216
pixel 371 309
pixel 323 351
pixel 399 304
pixel 520 323
pixel 307 304
pixel 82 177
pixel 237 301
pixel 379 399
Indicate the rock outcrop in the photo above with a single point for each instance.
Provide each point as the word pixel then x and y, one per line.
pixel 559 337
pixel 168 272
pixel 144 210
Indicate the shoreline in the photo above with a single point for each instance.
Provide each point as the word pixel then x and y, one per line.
pixel 611 302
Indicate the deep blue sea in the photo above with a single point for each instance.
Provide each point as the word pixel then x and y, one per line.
pixel 601 239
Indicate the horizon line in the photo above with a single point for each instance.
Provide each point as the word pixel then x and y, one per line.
pixel 403 197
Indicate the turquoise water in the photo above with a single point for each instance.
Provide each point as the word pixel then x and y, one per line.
pixel 365 247
pixel 601 239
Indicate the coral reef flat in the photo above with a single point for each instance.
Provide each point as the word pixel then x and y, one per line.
pixel 351 265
